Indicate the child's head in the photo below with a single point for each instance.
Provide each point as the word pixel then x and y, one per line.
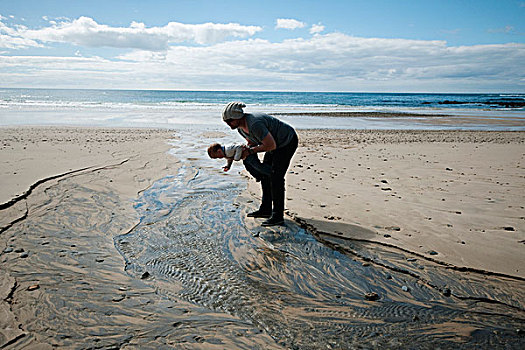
pixel 215 151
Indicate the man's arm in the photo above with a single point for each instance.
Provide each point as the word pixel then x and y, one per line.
pixel 268 144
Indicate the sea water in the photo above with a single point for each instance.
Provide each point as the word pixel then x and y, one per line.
pixel 180 109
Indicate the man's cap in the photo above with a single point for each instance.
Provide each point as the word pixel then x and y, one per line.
pixel 233 110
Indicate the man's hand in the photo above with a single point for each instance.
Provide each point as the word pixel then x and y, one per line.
pixel 245 152
pixel 225 168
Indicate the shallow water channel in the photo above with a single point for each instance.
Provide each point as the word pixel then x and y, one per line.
pixel 195 243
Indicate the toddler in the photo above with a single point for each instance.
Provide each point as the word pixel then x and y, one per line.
pixel 231 153
pixel 234 152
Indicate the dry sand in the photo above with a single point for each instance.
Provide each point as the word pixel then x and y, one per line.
pixel 32 154
pixel 451 196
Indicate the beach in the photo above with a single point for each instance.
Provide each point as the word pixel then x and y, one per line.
pixel 67 192
pixel 451 196
pixel 125 237
pixel 392 142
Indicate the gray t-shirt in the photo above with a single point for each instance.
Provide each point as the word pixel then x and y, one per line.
pixel 260 124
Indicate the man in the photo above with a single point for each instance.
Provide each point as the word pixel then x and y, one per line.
pixel 265 133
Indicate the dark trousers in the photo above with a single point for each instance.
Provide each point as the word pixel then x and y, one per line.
pixel 271 173
pixel 257 169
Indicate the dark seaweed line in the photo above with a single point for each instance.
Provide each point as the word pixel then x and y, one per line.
pixel 360 114
pixel 13 341
pixel 35 185
pixel 9 300
pixel 26 194
pixel 314 230
pixel 316 233
pixel 8 226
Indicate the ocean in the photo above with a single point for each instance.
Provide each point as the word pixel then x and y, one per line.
pixel 173 109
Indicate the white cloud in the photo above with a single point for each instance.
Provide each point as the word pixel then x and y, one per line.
pixel 85 31
pixel 143 56
pixel 332 61
pixel 316 28
pixel 346 62
pixel 6 29
pixel 10 40
pixel 283 23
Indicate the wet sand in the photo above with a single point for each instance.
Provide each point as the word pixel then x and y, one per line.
pixel 66 193
pixel 435 120
pixel 97 253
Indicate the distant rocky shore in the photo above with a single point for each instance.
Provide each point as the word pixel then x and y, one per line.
pixel 507 103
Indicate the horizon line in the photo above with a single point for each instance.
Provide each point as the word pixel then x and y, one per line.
pixel 268 91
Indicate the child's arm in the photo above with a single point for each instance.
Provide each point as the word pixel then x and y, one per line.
pixel 228 164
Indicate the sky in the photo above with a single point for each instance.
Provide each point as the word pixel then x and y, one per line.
pixel 284 45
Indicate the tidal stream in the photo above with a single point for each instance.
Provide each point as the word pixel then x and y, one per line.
pixel 307 291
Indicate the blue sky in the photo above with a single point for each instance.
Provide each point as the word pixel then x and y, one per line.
pixel 390 46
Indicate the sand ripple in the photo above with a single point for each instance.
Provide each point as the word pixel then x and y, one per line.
pixel 304 293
